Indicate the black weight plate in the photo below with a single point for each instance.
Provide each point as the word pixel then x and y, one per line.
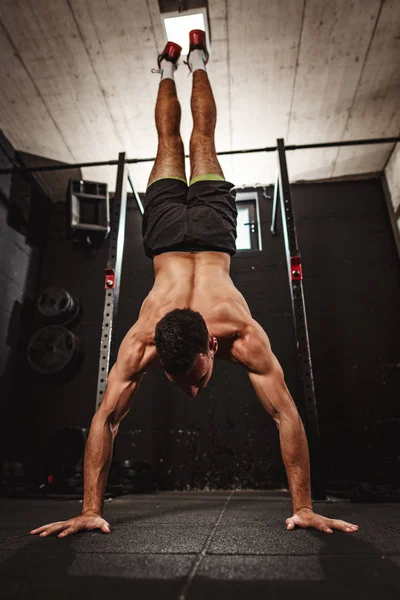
pixel 54 302
pixel 56 305
pixel 52 349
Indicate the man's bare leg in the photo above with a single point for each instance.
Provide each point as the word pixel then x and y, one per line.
pixel 170 160
pixel 203 157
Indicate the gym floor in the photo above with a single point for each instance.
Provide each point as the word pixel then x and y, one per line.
pixel 196 545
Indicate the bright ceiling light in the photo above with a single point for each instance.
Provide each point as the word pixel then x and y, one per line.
pixel 177 26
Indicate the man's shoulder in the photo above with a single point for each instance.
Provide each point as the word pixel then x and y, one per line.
pixel 252 347
pixel 137 351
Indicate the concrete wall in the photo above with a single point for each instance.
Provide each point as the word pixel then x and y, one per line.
pixel 306 70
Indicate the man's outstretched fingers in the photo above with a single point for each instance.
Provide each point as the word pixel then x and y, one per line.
pixel 344 526
pixel 44 527
pixel 330 524
pixel 55 528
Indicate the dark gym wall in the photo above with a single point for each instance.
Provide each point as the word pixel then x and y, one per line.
pixel 224 437
pixel 352 290
pixel 25 210
pixel 23 228
pixel 50 406
pixel 14 258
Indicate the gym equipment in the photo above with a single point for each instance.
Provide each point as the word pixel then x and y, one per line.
pixel 19 478
pixel 135 477
pixel 56 306
pixel 295 272
pixel 131 161
pixel 62 467
pixel 375 493
pixel 112 276
pixel 88 211
pixel 63 461
pixel 55 351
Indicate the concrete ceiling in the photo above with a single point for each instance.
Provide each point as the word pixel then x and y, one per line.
pixel 76 82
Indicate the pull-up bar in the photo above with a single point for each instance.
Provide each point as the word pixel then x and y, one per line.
pixel 370 142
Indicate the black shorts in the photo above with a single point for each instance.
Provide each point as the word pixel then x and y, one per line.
pixel 189 219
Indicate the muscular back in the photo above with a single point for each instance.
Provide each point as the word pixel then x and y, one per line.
pixel 199 281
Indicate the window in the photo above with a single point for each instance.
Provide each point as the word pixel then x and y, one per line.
pixel 248 230
pixel 243 241
pixel 178 24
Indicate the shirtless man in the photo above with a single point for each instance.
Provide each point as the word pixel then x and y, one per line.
pixel 193 314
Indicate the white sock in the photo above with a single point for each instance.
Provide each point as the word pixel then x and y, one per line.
pixel 197 60
pixel 167 69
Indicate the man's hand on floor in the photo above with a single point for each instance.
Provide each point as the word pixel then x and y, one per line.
pixel 307 518
pixel 87 521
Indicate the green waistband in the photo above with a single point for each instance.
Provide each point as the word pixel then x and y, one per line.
pixel 205 177
pixel 170 177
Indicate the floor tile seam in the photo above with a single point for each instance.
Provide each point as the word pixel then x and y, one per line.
pixel 202 553
pixel 392 529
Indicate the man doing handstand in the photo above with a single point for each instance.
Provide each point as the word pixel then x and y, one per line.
pixel 193 314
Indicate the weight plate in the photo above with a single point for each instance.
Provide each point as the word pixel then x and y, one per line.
pixel 52 349
pixel 57 306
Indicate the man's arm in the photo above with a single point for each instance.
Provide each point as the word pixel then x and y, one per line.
pixel 116 403
pixel 267 378
pixel 122 385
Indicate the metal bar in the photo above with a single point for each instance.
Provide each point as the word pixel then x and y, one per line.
pixel 365 142
pixel 275 204
pixel 112 276
pixel 300 325
pixel 65 167
pixel 89 196
pixel 137 197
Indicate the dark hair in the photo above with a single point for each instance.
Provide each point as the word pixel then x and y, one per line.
pixel 180 335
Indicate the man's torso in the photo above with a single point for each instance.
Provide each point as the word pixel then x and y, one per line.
pixel 199 281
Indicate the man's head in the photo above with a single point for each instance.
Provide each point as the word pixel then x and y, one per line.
pixel 185 349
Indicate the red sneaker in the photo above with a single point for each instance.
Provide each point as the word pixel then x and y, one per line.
pixel 171 52
pixel 197 41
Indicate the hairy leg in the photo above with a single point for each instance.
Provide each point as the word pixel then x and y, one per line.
pixel 203 157
pixel 170 160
